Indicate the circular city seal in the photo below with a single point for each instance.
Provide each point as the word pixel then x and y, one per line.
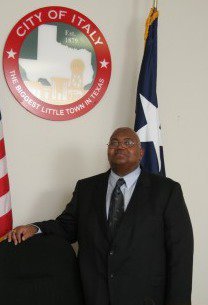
pixel 57 63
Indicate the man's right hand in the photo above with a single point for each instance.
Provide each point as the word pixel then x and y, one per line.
pixel 21 233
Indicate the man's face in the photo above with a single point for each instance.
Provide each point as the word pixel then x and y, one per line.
pixel 128 153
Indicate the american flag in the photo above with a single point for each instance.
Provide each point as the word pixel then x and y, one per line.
pixel 147 123
pixel 5 200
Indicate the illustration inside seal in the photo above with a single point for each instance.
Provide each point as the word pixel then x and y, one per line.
pixel 57 63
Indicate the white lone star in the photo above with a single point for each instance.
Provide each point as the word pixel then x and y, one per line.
pixel 11 54
pixel 104 63
pixel 151 131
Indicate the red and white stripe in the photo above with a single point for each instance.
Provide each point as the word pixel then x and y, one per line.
pixel 5 200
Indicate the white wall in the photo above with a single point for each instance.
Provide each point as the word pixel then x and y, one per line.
pixel 46 158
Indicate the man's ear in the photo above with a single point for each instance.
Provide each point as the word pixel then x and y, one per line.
pixel 142 151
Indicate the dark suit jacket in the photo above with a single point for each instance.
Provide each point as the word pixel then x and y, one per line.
pixel 149 261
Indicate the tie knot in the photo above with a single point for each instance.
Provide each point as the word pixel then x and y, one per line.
pixel 120 182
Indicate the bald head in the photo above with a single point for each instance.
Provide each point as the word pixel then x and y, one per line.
pixel 124 151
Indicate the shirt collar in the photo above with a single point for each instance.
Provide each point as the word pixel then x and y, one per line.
pixel 130 179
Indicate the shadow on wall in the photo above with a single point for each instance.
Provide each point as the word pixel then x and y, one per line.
pixel 51 202
pixel 134 47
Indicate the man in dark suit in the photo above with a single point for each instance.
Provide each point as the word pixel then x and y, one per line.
pixel 133 229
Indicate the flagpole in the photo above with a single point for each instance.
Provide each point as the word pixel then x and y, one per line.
pixel 155 3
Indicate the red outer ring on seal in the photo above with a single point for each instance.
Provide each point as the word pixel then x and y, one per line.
pixel 102 52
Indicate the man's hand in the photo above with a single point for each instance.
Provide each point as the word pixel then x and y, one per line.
pixel 21 233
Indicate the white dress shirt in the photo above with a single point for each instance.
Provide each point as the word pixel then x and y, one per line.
pixel 127 188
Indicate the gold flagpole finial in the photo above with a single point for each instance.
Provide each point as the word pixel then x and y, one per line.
pixel 155 4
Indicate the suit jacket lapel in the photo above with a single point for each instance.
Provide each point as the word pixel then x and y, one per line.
pixel 100 201
pixel 137 202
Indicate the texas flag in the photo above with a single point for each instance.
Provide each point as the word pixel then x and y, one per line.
pixel 147 123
